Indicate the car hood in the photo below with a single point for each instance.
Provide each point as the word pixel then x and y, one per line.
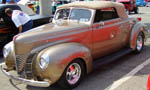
pixel 45 34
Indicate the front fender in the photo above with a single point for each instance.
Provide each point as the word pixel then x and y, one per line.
pixel 138 27
pixel 60 56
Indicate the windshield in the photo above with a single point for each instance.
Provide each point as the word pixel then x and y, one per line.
pixel 80 15
pixel 74 14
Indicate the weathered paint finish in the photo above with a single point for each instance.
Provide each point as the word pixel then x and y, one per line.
pixel 60 56
pixel 102 39
pixel 138 27
pixel 74 40
pixel 51 33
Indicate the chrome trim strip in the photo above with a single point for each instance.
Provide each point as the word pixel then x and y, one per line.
pixel 109 25
pixel 25 81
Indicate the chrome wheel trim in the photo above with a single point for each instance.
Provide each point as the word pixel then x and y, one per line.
pixel 73 73
pixel 139 43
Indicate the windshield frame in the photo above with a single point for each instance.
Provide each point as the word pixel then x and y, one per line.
pixel 88 22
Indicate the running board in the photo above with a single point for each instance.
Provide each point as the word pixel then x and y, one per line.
pixel 110 58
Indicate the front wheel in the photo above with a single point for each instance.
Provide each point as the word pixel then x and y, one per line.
pixel 139 43
pixel 72 75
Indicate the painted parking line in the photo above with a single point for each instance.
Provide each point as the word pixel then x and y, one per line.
pixel 117 83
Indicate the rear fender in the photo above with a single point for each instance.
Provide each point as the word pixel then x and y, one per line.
pixel 60 56
pixel 137 28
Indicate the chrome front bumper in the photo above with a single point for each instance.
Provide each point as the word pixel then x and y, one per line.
pixel 26 81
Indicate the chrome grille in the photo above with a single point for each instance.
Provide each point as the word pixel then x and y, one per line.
pixel 24 66
pixel 20 61
pixel 28 67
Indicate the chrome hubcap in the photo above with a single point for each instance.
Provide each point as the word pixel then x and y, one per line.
pixel 73 73
pixel 139 42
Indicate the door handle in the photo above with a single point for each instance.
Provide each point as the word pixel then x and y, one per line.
pixel 99 25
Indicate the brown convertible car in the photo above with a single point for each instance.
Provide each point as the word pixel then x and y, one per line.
pixel 81 33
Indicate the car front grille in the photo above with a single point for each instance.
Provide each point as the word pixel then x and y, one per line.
pixel 28 67
pixel 20 62
pixel 24 66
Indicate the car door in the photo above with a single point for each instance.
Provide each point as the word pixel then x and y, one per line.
pixel 106 34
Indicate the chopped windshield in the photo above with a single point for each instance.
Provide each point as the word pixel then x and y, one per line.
pixel 74 14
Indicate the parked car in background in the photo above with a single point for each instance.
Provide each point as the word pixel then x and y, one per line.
pixel 82 34
pixel 130 6
pixel 140 3
pixel 9 1
pixel 7 27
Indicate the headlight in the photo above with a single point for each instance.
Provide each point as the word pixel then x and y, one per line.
pixel 44 61
pixel 7 49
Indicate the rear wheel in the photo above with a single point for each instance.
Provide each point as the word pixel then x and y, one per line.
pixel 136 10
pixel 139 43
pixel 72 75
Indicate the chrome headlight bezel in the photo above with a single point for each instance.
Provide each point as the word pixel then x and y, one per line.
pixel 44 61
pixel 7 49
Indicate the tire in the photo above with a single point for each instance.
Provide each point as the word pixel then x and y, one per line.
pixel 136 10
pixel 139 43
pixel 76 70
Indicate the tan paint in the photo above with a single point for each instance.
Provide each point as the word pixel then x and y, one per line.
pixel 138 27
pixel 10 60
pixel 60 56
pixel 48 34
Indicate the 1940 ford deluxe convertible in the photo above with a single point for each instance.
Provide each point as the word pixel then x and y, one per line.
pixel 65 50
